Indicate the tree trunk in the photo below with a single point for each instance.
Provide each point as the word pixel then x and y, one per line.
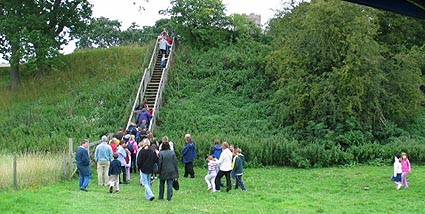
pixel 15 76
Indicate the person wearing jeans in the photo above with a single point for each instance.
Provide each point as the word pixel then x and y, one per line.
pixel 146 158
pixel 83 165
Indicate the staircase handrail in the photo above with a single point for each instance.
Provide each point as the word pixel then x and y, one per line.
pixel 147 75
pixel 163 81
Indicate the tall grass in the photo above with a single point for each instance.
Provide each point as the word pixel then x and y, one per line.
pixel 33 169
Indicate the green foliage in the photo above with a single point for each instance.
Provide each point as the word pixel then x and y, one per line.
pixel 202 22
pixel 102 32
pixel 333 82
pixel 91 96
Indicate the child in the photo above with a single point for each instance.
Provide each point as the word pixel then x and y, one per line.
pixel 397 171
pixel 238 169
pixel 212 172
pixel 114 174
pixel 405 168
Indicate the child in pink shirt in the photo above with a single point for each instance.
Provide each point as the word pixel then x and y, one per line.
pixel 405 168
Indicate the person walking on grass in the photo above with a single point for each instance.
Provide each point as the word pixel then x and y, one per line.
pixel 83 165
pixel 146 158
pixel 122 154
pixel 103 155
pixel 225 163
pixel 396 178
pixel 189 155
pixel 114 174
pixel 405 168
pixel 238 168
pixel 168 170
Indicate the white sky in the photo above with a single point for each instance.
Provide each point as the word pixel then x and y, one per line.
pixel 126 12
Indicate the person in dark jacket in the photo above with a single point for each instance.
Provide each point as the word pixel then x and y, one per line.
pixel 238 169
pixel 114 174
pixel 146 158
pixel 83 165
pixel 189 154
pixel 168 170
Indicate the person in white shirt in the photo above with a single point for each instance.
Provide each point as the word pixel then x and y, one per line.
pixel 225 163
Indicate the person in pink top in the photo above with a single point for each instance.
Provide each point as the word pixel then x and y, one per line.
pixel 405 168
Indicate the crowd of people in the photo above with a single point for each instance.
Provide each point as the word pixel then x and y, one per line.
pixel 125 153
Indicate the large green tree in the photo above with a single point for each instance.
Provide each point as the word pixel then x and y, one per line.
pixel 35 30
pixel 201 21
pixel 331 76
pixel 102 32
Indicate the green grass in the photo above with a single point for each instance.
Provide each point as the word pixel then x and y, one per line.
pixel 270 190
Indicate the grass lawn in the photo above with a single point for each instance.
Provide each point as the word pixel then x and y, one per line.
pixel 360 189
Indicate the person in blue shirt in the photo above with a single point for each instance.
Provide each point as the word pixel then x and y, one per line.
pixel 188 156
pixel 83 165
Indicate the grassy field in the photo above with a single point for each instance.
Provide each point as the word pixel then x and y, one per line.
pixel 360 189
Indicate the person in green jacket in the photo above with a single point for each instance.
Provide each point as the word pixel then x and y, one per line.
pixel 238 169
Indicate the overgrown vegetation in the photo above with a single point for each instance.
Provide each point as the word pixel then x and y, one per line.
pixel 90 96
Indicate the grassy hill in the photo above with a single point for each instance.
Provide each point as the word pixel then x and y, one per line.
pixel 89 95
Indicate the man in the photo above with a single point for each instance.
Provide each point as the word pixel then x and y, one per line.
pixel 83 165
pixel 189 154
pixel 103 155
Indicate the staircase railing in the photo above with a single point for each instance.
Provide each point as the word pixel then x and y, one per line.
pixel 147 75
pixel 158 98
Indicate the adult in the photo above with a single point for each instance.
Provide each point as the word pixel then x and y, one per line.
pixel 168 170
pixel 145 161
pixel 103 155
pixel 83 165
pixel 216 149
pixel 188 156
pixel 114 144
pixel 144 115
pixel 225 163
pixel 165 139
pixel 122 154
pixel 163 45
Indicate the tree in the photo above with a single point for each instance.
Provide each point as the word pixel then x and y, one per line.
pixel 330 72
pixel 41 33
pixel 202 21
pixel 102 32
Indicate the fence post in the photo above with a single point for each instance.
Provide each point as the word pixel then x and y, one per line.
pixel 65 159
pixel 15 176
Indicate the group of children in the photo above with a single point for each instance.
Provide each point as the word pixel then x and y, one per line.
pixel 401 169
pixel 238 164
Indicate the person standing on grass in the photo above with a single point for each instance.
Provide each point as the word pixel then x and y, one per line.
pixel 168 170
pixel 396 178
pixel 122 154
pixel 133 144
pixel 114 174
pixel 238 167
pixel 212 172
pixel 405 169
pixel 83 165
pixel 189 155
pixel 103 155
pixel 225 163
pixel 146 159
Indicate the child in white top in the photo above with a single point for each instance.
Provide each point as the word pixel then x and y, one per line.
pixel 212 172
pixel 396 178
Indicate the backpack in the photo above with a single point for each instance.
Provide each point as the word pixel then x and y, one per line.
pixel 130 147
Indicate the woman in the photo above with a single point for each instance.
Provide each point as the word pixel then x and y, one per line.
pixel 225 163
pixel 145 161
pixel 168 170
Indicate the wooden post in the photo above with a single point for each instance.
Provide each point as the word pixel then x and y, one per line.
pixel 65 159
pixel 15 176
